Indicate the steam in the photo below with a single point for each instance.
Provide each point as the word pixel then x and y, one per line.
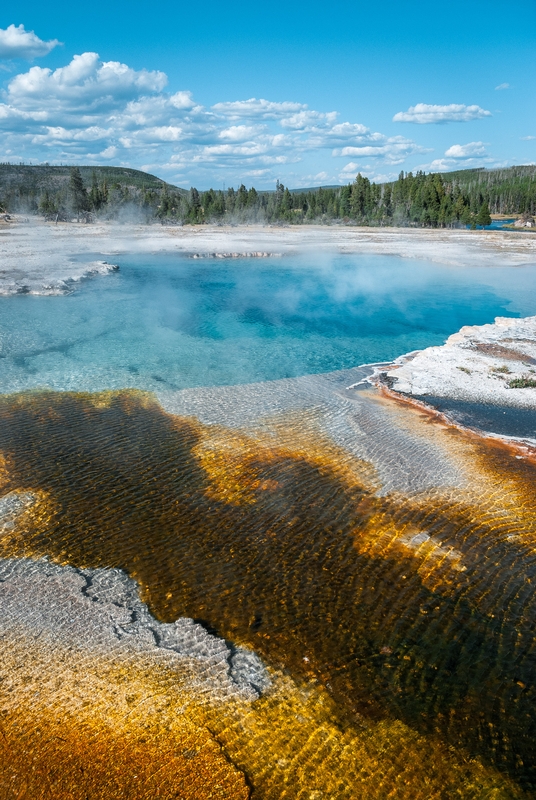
pixel 167 322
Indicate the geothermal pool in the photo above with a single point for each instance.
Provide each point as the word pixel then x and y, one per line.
pixel 172 322
pixel 226 574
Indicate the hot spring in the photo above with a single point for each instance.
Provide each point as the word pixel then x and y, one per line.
pixel 226 574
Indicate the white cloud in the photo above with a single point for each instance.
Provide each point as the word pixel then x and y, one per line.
pixel 8 114
pixel 527 138
pixel 60 134
pixel 152 135
pixel 84 84
pixel 16 42
pixel 182 100
pixel 239 133
pixel 424 114
pixel 349 130
pixel 109 152
pixel 351 168
pixel 66 114
pixel 257 108
pixel 439 165
pixel 471 149
pixel 309 120
pixel 453 164
pixel 393 151
pixel 247 149
pixel 502 86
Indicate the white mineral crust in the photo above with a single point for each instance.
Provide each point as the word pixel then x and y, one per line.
pixel 477 364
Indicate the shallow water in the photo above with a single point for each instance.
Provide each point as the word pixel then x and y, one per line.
pixel 169 322
pixel 405 620
pixel 502 420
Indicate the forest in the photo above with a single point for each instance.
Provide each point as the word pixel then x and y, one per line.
pixel 433 200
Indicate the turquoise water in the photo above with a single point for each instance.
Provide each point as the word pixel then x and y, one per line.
pixel 172 322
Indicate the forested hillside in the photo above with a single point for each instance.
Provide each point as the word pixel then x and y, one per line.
pixel 450 199
pixel 49 190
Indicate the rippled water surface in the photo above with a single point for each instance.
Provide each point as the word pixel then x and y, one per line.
pixel 173 322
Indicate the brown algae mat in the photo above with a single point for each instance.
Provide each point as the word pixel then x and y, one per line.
pixel 398 630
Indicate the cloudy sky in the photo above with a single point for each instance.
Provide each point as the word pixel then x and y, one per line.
pixel 307 93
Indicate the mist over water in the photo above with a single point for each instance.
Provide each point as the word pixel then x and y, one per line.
pixel 168 321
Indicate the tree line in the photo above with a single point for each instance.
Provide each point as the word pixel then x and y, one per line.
pixel 429 200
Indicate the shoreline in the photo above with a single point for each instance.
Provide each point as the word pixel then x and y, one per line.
pixel 521 447
pixel 466 381
pixel 493 364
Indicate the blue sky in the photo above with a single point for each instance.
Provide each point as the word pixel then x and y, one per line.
pixel 307 93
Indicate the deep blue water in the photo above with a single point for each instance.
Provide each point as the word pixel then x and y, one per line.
pixel 173 322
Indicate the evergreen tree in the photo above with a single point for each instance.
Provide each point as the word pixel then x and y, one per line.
pixel 483 217
pixel 241 197
pixel 253 198
pixel 79 196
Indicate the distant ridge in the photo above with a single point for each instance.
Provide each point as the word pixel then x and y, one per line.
pixel 28 178
pixel 476 175
pixel 479 173
pixel 317 188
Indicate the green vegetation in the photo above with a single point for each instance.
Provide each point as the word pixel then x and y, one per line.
pixel 504 370
pixel 83 192
pixel 522 383
pixel 455 199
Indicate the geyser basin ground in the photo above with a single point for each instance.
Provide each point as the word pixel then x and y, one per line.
pixel 357 575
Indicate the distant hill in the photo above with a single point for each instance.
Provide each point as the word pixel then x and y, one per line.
pixel 27 179
pixel 464 177
pixel 110 190
pixel 315 188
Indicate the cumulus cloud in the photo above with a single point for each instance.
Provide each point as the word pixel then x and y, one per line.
pixel 84 84
pixel 309 120
pixel 527 138
pixel 450 163
pixel 239 133
pixel 351 130
pixel 502 86
pixel 109 152
pixel 91 110
pixel 257 108
pixel 469 150
pixel 462 156
pixel 16 42
pixel 393 150
pixel 425 114
pixel 182 100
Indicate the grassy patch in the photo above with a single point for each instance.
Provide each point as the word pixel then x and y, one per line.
pixel 522 383
pixel 464 369
pixel 504 370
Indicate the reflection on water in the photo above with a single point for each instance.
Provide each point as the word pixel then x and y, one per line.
pixel 402 624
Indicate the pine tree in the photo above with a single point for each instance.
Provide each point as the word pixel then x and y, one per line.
pixel 483 217
pixel 79 197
